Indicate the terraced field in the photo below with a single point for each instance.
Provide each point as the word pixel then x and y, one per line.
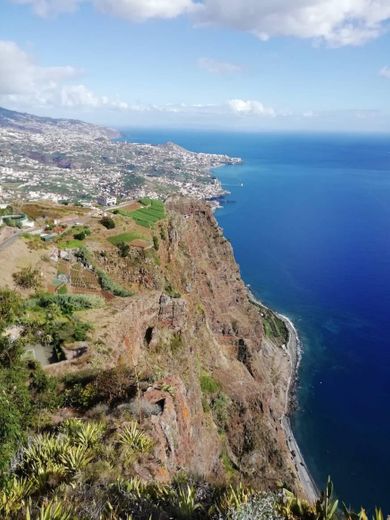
pixel 147 216
pixel 125 237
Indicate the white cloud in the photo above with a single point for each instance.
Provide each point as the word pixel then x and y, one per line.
pixel 250 107
pixel 139 10
pixel 46 8
pixel 336 22
pixel 134 10
pixel 23 82
pixel 218 67
pixel 385 72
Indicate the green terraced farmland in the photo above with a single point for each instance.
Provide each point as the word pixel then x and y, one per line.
pixel 152 212
pixel 125 237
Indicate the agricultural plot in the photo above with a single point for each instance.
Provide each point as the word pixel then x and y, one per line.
pixel 81 278
pixel 149 215
pixel 125 237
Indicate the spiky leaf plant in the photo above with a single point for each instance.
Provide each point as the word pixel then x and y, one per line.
pixel 134 440
pixel 14 494
pixel 50 511
pixel 186 502
pixel 87 434
pixel 326 507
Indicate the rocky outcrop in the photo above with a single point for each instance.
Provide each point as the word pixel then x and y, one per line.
pixel 220 383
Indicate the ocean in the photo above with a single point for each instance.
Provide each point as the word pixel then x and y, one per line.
pixel 309 220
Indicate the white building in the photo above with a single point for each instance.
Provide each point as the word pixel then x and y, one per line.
pixel 107 200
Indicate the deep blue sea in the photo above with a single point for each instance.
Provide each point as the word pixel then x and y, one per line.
pixel 309 220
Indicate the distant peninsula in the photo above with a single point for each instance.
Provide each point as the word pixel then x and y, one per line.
pixel 69 160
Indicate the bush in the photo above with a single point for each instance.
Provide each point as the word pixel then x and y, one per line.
pixel 11 307
pixel 79 236
pixel 107 222
pixel 108 285
pixel 208 384
pixel 68 303
pixel 124 249
pixel 27 278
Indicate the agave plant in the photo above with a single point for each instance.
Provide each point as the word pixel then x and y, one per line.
pixel 293 507
pixel 76 458
pixel 326 507
pixel 362 515
pixel 134 440
pixel 186 502
pixel 87 434
pixel 234 497
pixel 51 511
pixel 42 453
pixel 14 494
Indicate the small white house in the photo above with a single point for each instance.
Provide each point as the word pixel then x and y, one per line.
pixel 107 200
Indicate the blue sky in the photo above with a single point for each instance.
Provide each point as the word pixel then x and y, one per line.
pixel 239 64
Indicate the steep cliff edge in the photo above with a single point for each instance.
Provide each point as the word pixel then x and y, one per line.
pixel 212 366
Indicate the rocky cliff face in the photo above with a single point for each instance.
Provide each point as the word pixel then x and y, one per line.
pixel 217 383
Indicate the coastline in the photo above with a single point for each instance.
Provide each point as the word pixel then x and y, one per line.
pixel 294 351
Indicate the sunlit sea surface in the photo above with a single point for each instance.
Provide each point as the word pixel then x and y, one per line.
pixel 309 220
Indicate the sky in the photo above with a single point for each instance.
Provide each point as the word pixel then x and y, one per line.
pixel 307 65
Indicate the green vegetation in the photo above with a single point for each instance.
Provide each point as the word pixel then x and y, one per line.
pixel 11 307
pixel 153 211
pixel 170 291
pixel 125 237
pixel 108 285
pixel 134 440
pixel 104 280
pixel 27 278
pixel 24 387
pixel 124 249
pixel 6 211
pixel 68 303
pixel 214 400
pixel 107 222
pixel 274 327
pixel 70 244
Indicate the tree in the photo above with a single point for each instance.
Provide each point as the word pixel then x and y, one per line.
pixel 79 236
pixel 107 222
pixel 124 249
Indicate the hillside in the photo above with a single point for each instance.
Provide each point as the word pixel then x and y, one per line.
pixel 187 355
pixel 69 160
pixel 25 122
pixel 138 379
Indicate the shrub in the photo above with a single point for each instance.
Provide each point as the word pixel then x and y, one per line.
pixel 108 285
pixel 107 222
pixel 124 249
pixel 259 507
pixel 208 384
pixel 27 278
pixel 68 303
pixel 80 236
pixel 115 384
pixel 11 307
pixel 171 292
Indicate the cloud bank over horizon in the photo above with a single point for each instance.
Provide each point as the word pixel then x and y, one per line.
pixel 24 82
pixel 244 63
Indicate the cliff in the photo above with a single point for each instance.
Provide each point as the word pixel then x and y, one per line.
pixel 213 382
